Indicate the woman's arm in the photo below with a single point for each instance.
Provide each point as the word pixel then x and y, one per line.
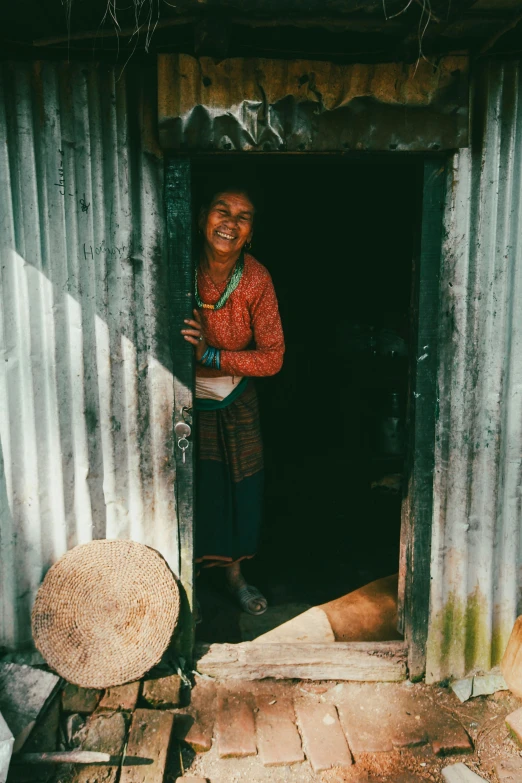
pixel 267 357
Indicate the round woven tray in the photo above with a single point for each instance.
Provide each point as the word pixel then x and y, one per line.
pixel 105 613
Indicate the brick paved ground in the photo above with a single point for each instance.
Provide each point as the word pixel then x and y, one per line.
pixel 283 731
pixel 311 733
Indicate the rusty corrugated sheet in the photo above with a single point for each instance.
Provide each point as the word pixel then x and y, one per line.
pixel 278 105
pixel 478 478
pixel 85 371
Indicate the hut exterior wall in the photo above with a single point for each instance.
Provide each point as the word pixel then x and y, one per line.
pixel 475 572
pixel 85 369
pixel 86 376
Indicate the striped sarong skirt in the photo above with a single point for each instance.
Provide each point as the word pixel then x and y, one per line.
pixel 229 481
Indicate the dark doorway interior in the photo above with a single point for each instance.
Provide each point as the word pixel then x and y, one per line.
pixel 338 238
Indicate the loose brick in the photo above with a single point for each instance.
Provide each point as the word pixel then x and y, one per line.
pixel 83 700
pixel 195 729
pixel 380 719
pixel 198 733
pixel 235 727
pixel 366 731
pixel 202 710
pixel 106 734
pixel 323 738
pixel 121 697
pixel 278 740
pixel 163 692
pixel 514 724
pixel 149 738
pixel 449 738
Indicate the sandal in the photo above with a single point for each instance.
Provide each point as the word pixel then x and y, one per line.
pixel 245 595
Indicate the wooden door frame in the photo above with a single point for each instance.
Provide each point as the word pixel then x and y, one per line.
pixel 178 210
pixel 380 660
pixel 417 506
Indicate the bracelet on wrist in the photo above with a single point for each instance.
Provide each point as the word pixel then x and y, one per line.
pixel 211 358
pixel 207 357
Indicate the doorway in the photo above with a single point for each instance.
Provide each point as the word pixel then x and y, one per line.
pixel 339 238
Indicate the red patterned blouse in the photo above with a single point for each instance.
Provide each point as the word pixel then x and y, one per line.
pixel 247 329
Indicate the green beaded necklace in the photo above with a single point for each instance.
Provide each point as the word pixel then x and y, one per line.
pixel 231 286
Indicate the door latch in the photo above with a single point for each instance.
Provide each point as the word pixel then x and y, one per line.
pixel 182 431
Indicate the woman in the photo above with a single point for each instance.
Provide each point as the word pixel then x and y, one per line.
pixel 236 333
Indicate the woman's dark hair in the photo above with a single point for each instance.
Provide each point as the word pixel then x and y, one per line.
pixel 212 189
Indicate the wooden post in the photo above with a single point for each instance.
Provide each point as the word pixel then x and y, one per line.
pixel 179 237
pixel 414 587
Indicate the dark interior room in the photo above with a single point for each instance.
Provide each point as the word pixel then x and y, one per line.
pixel 339 238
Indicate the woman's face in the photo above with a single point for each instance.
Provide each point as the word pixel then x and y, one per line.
pixel 228 223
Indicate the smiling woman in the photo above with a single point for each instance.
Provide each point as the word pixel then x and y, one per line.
pixel 228 223
pixel 237 335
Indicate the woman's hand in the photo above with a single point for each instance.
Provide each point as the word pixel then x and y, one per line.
pixel 195 335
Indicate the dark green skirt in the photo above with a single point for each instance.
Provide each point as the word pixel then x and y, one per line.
pixel 229 481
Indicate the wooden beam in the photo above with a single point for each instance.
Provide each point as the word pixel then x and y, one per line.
pixel 354 24
pixel 359 24
pixel 358 661
pixel 113 32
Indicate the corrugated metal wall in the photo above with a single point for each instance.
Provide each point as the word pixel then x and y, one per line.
pixel 85 368
pixel 477 512
pixel 85 365
pixel 267 105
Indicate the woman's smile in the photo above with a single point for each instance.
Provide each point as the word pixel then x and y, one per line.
pixel 225 235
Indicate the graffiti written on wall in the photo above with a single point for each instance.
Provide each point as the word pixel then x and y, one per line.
pixel 89 251
pixel 61 176
pixel 83 204
pixel 61 184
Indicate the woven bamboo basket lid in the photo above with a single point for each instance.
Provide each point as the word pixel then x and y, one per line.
pixel 105 613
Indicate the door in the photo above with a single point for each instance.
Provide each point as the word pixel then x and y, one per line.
pixel 417 509
pixel 179 236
